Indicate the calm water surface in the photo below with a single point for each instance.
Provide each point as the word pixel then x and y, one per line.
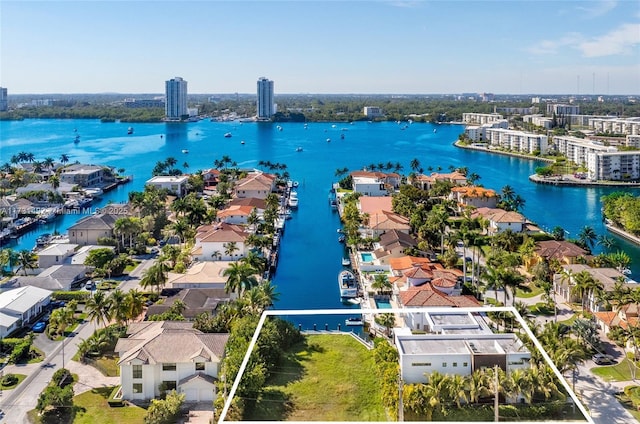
pixel 310 253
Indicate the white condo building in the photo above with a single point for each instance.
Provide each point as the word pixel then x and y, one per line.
pixel 628 126
pixel 516 141
pixel 602 162
pixel 266 107
pixel 481 118
pixel 176 99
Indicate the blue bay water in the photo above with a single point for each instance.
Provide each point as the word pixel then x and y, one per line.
pixel 310 253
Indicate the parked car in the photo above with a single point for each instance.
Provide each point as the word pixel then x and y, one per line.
pixel 90 285
pixel 39 327
pixel 57 304
pixel 603 359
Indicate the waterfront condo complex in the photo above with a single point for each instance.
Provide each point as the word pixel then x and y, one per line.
pixel 266 107
pixel 176 99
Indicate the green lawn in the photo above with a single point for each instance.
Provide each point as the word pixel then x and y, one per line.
pixel 92 408
pixel 630 403
pixel 328 378
pixel 618 372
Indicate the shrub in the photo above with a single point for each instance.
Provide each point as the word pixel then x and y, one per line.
pixel 9 380
pixel 80 296
pixel 115 398
pixel 62 377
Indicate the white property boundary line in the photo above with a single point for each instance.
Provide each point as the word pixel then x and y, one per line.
pixel 511 309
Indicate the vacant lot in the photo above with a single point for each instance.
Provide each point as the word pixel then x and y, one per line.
pixel 327 378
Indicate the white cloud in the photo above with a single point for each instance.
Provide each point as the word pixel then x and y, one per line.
pixel 594 9
pixel 621 40
pixel 553 46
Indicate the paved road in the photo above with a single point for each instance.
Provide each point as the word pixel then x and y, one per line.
pixel 132 281
pixel 17 402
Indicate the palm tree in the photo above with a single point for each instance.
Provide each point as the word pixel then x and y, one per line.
pixel 387 321
pixel 240 276
pixel 134 301
pixel 230 248
pixel 64 158
pixel 98 308
pixel 255 261
pixel 587 237
pixel 155 276
pixel 27 260
pixel 381 282
pixel 414 164
pixel 119 306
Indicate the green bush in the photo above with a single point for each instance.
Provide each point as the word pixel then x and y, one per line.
pixel 80 296
pixel 115 398
pixel 62 377
pixel 9 380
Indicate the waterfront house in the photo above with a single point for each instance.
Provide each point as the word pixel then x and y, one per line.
pixel 457 354
pixel 235 214
pixel 564 282
pixel 90 229
pixel 222 242
pixel 382 221
pixel 196 302
pixel 556 250
pixel 372 183
pixel 169 355
pixel 477 197
pixel 174 184
pixel 393 244
pixel 200 275
pixel 426 182
pixel 254 202
pixel 255 184
pixel 19 306
pixel 370 204
pixel 55 254
pixel 211 178
pixel 84 175
pixel 36 190
pixel 501 220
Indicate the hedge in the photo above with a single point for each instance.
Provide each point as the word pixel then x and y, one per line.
pixel 80 296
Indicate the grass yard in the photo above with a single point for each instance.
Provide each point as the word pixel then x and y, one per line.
pixel 92 408
pixel 13 386
pixel 630 403
pixel 108 365
pixel 618 372
pixel 328 378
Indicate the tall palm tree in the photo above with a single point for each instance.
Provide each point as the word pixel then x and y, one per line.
pixel 64 158
pixel 230 248
pixel 381 282
pixel 255 261
pixel 134 301
pixel 27 260
pixel 587 237
pixel 387 321
pixel 99 308
pixel 155 276
pixel 240 276
pixel 119 307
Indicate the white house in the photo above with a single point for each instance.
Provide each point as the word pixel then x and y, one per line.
pixel 501 220
pixel 235 214
pixel 256 184
pixel 174 184
pixel 170 354
pixel 20 306
pixel 223 242
pixel 458 354
pixel 374 183
pixel 55 254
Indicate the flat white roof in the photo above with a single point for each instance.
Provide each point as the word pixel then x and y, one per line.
pixel 168 179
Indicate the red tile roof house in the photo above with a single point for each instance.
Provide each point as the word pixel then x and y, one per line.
pixel 626 317
pixel 212 242
pixel 425 182
pixel 256 184
pixel 234 214
pixel 477 197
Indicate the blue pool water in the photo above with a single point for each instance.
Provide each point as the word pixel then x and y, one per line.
pixel 383 304
pixel 366 257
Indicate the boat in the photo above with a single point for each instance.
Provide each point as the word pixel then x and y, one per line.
pixel 334 204
pixel 47 214
pixel 294 184
pixel 130 130
pixel 77 139
pixel 328 140
pixel 346 261
pixel 298 149
pixel 278 127
pixel 293 200
pixel 93 192
pixel 342 239
pixel 347 284
pixel 227 135
pixel 342 136
pixel 354 321
pixel 242 142
pixel 185 151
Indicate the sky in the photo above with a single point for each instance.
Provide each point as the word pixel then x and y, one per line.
pixel 322 47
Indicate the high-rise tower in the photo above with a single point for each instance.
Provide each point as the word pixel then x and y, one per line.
pixel 3 99
pixel 175 106
pixel 266 107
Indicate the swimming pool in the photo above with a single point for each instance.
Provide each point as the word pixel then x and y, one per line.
pixel 383 304
pixel 366 257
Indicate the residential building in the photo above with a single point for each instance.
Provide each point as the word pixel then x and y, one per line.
pixel 256 184
pixel 4 101
pixel 501 220
pixel 374 184
pixel 560 109
pixel 607 278
pixel 235 214
pixel 173 355
pixel 626 318
pixel 563 252
pixel 481 118
pixel 426 182
pixel 55 254
pixel 175 99
pixel 196 301
pixel 174 184
pixel 57 278
pixel 201 275
pixel 477 197
pixel 517 141
pixel 142 103
pixel 381 221
pixel 83 175
pixel 372 111
pixel 20 306
pixel 221 242
pixel 538 120
pixel 614 125
pixel 614 166
pixel 266 106
pixel 393 244
pixel 577 149
pixel 90 229
pixel 478 133
pixel 458 354
pixel 369 204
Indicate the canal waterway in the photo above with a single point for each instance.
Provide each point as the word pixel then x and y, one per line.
pixel 310 254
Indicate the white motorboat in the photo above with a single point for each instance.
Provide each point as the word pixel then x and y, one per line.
pixel 348 284
pixel 354 321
